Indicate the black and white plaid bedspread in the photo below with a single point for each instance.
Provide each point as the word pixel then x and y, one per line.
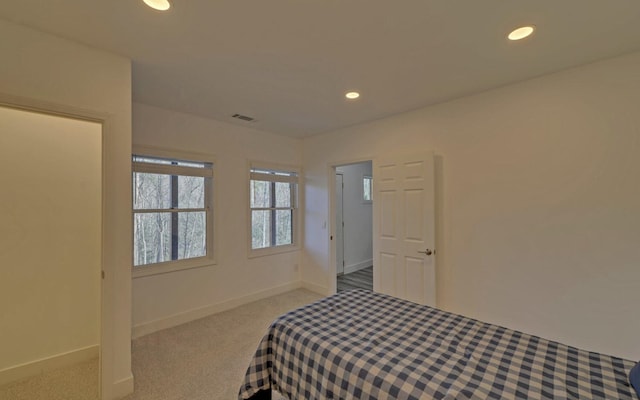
pixel 363 345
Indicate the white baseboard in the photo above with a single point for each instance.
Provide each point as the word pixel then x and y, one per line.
pixel 122 388
pixel 201 312
pixel 358 266
pixel 322 290
pixel 38 367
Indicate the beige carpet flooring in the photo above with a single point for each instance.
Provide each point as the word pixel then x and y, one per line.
pixel 79 382
pixel 203 359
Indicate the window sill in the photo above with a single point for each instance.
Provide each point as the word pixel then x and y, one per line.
pixel 269 251
pixel 171 266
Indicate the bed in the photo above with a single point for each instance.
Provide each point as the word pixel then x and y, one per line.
pixel 364 345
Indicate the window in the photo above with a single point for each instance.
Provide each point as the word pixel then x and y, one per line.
pixel 172 214
pixel 367 189
pixel 273 207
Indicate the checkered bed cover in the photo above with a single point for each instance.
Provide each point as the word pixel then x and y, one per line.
pixel 363 345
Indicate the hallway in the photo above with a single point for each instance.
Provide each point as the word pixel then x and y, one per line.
pixel 361 279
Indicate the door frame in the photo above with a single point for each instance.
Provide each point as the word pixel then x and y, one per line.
pixel 331 181
pixel 338 227
pixel 107 282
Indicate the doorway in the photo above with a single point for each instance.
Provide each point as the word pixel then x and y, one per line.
pixel 51 252
pixel 353 226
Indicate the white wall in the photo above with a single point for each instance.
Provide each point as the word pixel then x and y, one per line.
pixel 47 69
pixel 358 228
pixel 538 202
pixel 50 237
pixel 164 300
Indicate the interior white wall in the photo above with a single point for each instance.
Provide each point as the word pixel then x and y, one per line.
pixel 358 217
pixel 194 291
pixel 50 238
pixel 51 70
pixel 538 202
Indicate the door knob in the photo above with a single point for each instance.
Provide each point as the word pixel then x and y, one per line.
pixel 427 252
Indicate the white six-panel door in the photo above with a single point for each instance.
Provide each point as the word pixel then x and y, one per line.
pixel 404 230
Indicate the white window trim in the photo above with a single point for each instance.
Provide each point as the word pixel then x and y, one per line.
pixel 296 218
pixel 179 265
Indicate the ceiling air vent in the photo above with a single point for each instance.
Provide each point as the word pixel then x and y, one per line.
pixel 243 117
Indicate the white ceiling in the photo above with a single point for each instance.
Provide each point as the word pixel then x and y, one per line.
pixel 288 63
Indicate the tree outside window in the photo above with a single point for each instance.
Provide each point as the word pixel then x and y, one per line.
pixel 171 210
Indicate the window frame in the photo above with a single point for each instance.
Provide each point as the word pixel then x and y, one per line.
pixel 295 215
pixel 210 205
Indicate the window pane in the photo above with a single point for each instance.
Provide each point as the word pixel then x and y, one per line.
pixel 151 160
pixel 260 194
pixel 193 164
pixel 151 191
pixel 283 194
pixel 190 192
pixel 273 172
pixel 165 161
pixel 283 227
pixel 152 238
pixel 367 188
pixel 260 229
pixel 192 234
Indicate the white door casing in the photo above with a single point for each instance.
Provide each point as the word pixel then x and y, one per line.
pixel 339 224
pixel 404 227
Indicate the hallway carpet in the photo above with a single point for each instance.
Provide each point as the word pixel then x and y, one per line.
pixel 361 279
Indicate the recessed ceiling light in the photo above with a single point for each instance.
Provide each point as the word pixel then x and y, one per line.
pixel 161 5
pixel 352 95
pixel 521 32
